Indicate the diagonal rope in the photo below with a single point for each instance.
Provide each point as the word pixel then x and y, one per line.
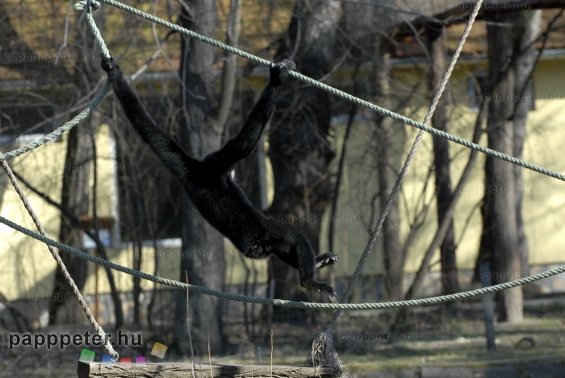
pixel 61 129
pixel 323 353
pixel 281 302
pixel 338 93
pixel 404 170
pixel 57 258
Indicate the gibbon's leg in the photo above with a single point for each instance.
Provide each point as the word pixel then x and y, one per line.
pixel 294 249
pixel 325 260
pixel 242 145
pixel 306 265
pixel 168 151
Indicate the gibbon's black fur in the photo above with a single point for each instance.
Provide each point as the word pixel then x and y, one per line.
pixel 216 195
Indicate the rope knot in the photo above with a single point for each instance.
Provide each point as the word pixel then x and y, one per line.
pixel 84 4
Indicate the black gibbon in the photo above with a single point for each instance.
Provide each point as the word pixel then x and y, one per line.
pixel 210 186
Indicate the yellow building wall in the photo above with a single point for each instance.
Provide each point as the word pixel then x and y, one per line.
pixel 544 198
pixel 27 264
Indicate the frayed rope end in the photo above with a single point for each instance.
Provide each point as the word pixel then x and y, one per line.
pixel 324 354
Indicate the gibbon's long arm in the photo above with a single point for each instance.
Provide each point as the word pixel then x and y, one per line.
pixel 242 145
pixel 168 151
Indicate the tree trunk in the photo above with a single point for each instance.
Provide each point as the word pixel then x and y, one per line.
pixel 340 171
pixel 436 41
pixel 386 162
pixel 202 257
pixel 299 150
pixel 500 237
pixel 526 29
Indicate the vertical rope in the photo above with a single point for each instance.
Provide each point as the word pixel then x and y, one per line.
pixel 323 352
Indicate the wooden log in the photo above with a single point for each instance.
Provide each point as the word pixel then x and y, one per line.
pixel 184 369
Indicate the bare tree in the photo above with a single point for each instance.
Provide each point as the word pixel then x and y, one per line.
pixel 16 47
pixel 500 238
pixel 202 256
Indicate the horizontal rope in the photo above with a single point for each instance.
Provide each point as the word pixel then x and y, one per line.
pixel 338 93
pixel 281 302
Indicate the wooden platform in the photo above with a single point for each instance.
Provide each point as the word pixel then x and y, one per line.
pixel 178 370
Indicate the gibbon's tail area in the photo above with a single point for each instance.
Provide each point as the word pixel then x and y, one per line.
pixel 212 190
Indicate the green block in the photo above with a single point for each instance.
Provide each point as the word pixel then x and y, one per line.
pixel 86 355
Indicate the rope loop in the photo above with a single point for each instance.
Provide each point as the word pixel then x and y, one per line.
pixel 90 5
pixel 115 356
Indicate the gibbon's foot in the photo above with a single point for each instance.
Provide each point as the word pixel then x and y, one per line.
pixel 279 72
pixel 325 260
pixel 319 286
